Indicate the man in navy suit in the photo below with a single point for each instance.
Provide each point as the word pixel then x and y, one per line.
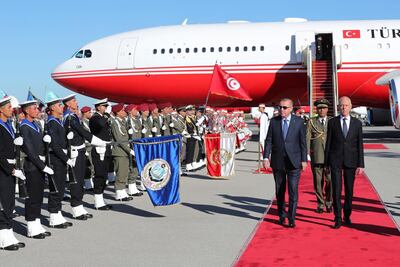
pixel 286 145
pixel 344 155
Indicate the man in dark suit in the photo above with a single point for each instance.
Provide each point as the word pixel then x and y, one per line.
pixel 344 156
pixel 287 146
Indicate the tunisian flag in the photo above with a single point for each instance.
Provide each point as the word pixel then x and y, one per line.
pixel 220 152
pixel 224 84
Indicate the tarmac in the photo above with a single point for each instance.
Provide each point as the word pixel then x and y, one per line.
pixel 210 227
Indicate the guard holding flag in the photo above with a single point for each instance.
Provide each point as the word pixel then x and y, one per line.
pixel 34 168
pixel 7 176
pixel 99 125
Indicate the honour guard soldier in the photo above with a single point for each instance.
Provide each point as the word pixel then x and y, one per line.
pixel 191 142
pixel 134 127
pixel 86 113
pixel 155 120
pixel 316 140
pixel 165 119
pixel 120 152
pixel 179 127
pixel 145 120
pixel 58 158
pixel 7 176
pixel 100 127
pixel 77 134
pixel 34 168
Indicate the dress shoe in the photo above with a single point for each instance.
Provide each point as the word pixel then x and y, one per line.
pixel 89 190
pixel 319 210
pixel 38 236
pixel 66 198
pixel 59 226
pixel 136 194
pixel 47 233
pixel 328 209
pixel 184 174
pixel 68 224
pixel 105 207
pixel 338 224
pixel 347 221
pixel 292 225
pixel 11 247
pixel 82 217
pixel 20 244
pixel 88 215
pixel 282 220
pixel 126 199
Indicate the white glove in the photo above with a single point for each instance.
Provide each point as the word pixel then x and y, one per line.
pixel 71 162
pixel 109 109
pixel 19 141
pixel 154 129
pixel 70 135
pixel 97 141
pixel 172 125
pixel 19 174
pixel 144 131
pixel 132 152
pixel 130 131
pixel 308 157
pixel 197 137
pixel 47 138
pixel 48 170
pixel 164 127
pixel 74 153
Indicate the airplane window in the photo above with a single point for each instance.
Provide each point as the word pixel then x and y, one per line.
pixel 287 48
pixel 228 49
pixel 162 51
pixel 237 48
pixel 262 48
pixel 179 50
pixel 88 53
pixel 171 50
pixel 203 49
pixel 195 49
pixel 154 51
pixel 245 49
pixel 253 48
pixel 79 54
pixel 220 49
pixel 212 49
pixel 187 50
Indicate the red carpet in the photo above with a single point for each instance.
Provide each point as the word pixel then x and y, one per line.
pixel 372 240
pixel 375 146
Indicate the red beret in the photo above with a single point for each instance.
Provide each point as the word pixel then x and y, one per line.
pixel 143 107
pixel 164 105
pixel 117 108
pixel 152 106
pixel 85 109
pixel 129 108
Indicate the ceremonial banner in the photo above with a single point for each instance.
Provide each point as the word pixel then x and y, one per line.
pixel 158 163
pixel 220 152
pixel 224 84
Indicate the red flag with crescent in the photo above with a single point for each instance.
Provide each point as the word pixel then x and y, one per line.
pixel 225 84
pixel 351 34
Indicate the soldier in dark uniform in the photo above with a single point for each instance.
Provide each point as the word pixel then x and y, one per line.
pixel 77 135
pixel 154 120
pixel 7 176
pixel 134 127
pixel 179 127
pixel 100 127
pixel 317 128
pixel 145 120
pixel 191 142
pixel 59 159
pixel 86 113
pixel 34 168
pixel 165 119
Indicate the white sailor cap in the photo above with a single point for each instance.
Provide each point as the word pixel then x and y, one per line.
pixel 5 100
pixel 51 98
pixel 68 97
pixel 102 102
pixel 261 105
pixel 28 103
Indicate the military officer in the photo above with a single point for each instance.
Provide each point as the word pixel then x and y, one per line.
pixel 179 127
pixel 100 127
pixel 134 127
pixel 194 137
pixel 316 139
pixel 145 120
pixel 77 134
pixel 8 172
pixel 155 120
pixel 165 118
pixel 86 113
pixel 34 168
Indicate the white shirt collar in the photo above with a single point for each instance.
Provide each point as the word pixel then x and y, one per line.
pixel 288 118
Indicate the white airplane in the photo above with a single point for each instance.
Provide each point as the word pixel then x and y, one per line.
pixel 296 58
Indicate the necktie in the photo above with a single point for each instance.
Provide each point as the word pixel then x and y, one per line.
pixel 345 130
pixel 285 128
pixel 323 122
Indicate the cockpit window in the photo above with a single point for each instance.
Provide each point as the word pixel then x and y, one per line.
pixel 88 53
pixel 79 54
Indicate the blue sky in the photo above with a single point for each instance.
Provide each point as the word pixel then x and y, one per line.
pixel 35 36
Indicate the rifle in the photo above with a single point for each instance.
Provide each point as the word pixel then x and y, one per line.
pixel 130 144
pixel 70 170
pixel 52 182
pixel 22 190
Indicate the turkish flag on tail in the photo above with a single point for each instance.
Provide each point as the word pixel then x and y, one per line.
pixel 224 84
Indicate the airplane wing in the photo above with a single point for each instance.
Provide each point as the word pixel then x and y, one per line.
pixel 393 80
